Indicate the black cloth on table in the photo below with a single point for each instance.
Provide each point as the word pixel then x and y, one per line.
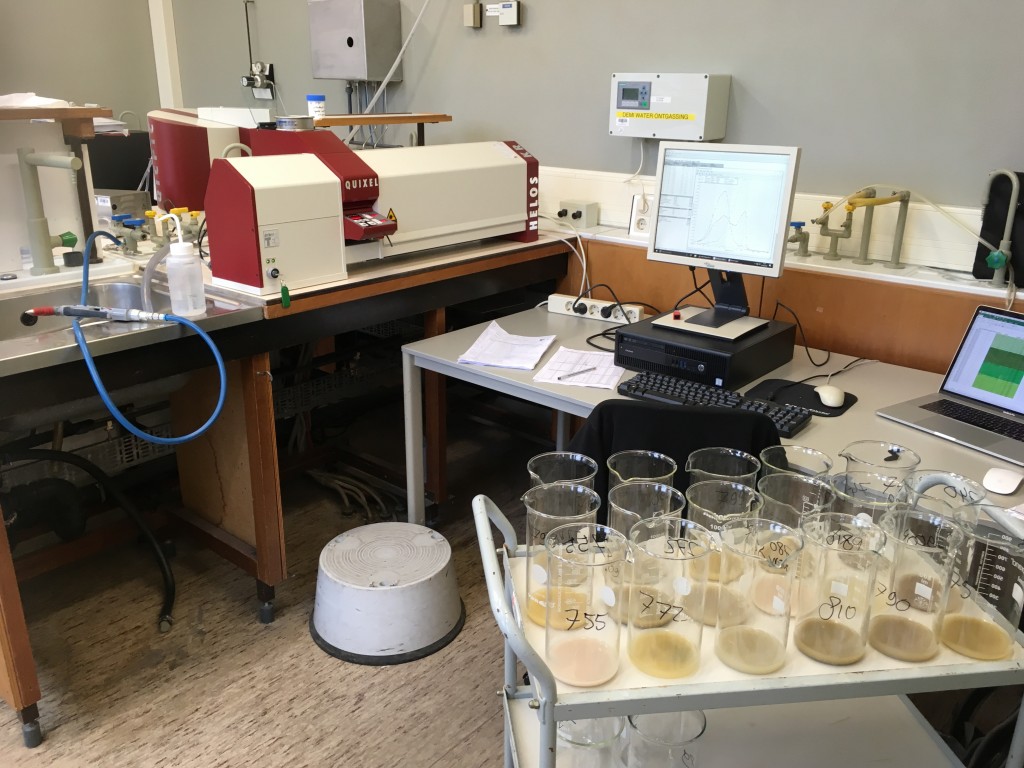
pixel 677 431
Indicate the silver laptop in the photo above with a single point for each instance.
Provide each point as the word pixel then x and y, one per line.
pixel 981 401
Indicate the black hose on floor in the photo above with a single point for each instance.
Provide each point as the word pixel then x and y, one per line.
pixel 44 454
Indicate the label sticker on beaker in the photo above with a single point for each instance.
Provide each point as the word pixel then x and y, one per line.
pixel 538 574
pixel 840 588
pixel 608 595
pixel 682 585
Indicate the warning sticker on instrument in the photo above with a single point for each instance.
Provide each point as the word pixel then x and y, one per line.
pixel 655 116
pixel 391 215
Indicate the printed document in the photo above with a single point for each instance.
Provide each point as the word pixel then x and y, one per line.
pixel 497 347
pixel 580 368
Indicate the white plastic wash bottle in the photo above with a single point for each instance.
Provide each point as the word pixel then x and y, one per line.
pixel 184 277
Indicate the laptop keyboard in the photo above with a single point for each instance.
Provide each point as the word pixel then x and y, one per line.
pixel 977 418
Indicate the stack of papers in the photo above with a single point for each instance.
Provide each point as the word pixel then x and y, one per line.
pixel 580 368
pixel 499 348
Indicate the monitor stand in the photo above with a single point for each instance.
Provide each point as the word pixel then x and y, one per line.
pixel 728 319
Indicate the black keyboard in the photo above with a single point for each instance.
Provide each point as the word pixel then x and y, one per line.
pixel 661 388
pixel 977 418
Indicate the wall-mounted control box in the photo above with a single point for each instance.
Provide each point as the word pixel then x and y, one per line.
pixel 355 39
pixel 659 105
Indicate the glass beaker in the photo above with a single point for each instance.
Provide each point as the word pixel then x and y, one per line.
pixel 594 743
pixel 629 503
pixel 562 467
pixel 910 600
pixel 713 504
pixel 955 490
pixel 984 609
pixel 581 638
pixel 796 459
pixel 547 507
pixel 661 739
pixel 790 497
pixel 666 599
pixel 631 466
pixel 867 493
pixel 838 569
pixel 753 638
pixel 722 464
pixel 881 457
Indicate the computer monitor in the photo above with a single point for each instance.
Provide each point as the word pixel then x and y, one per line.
pixel 726 208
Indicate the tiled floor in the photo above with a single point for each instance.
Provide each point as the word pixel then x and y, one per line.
pixel 222 690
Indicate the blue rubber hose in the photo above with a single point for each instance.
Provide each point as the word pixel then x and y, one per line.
pixel 102 390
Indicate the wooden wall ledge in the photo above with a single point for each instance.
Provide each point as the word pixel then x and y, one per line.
pixel 911 325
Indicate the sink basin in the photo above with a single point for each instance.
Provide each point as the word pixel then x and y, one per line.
pixel 122 292
pixel 26 345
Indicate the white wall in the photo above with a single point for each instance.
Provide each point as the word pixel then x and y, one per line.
pixel 915 94
pixel 94 52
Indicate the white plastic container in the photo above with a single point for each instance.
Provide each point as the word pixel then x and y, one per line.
pixel 185 280
pixel 316 105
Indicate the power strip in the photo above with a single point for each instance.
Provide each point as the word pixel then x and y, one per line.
pixel 594 309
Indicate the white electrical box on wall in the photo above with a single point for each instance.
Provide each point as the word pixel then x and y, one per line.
pixel 659 105
pixel 355 39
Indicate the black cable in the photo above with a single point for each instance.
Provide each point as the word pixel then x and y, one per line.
pixel 248 34
pixel 696 289
pixel 101 477
pixel 618 303
pixel 807 349
pixel 603 334
pixel 200 236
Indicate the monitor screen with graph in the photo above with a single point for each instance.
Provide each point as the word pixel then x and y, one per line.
pixel 726 208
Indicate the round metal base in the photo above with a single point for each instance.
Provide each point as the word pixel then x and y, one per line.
pixel 398 658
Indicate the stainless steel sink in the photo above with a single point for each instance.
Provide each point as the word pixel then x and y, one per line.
pixel 123 292
pixel 27 345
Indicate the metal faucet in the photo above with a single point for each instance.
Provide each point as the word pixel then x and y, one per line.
pixel 40 242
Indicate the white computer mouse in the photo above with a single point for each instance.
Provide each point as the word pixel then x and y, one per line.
pixel 832 397
pixel 1002 481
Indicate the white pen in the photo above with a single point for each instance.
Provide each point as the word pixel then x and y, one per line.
pixel 577 373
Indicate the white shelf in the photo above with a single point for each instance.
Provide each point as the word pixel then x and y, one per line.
pixel 813 711
pixel 801 679
pixel 812 714
pixel 879 731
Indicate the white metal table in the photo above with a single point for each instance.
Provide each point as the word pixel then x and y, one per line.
pixel 875 385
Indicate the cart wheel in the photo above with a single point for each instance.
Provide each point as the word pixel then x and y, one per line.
pixel 32 734
pixel 266 613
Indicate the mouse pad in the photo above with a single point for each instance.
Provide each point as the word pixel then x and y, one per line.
pixel 794 393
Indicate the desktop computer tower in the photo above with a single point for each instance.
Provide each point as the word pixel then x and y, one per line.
pixel 730 364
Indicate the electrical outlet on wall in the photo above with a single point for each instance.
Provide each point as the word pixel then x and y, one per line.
pixel 640 216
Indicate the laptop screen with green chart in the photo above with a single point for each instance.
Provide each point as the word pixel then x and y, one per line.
pixel 981 401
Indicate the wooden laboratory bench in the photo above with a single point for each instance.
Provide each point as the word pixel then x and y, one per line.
pixel 75 121
pixel 230 476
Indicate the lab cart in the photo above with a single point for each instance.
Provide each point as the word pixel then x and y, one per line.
pixel 807 714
